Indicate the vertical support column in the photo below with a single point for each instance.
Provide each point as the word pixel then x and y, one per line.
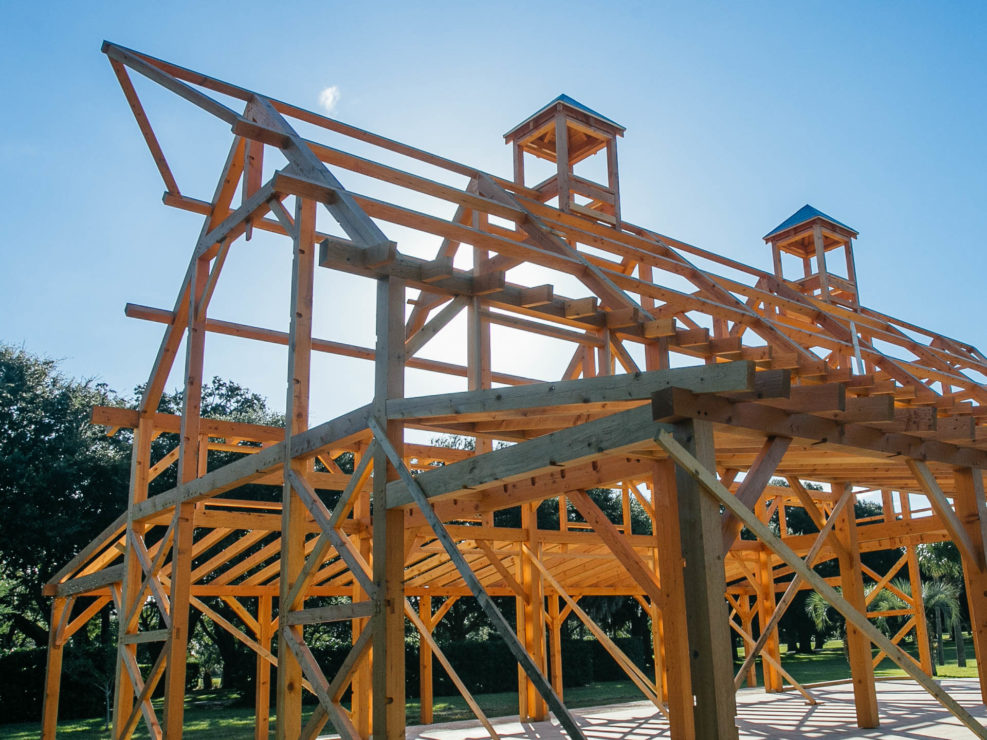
pixel 478 374
pixel 747 618
pixel 858 646
pixel 555 627
pixel 191 463
pixel 425 694
pixel 361 702
pixel 140 464
pixel 531 620
pixel 262 689
pixel 821 262
pixel 289 696
pixel 970 509
pixel 518 164
pixel 918 603
pixel 562 160
pixel 655 350
pixel 851 271
pixel 776 260
pixel 53 671
pixel 711 658
pixel 658 653
pixel 613 179
pixel 673 628
pixel 388 525
pixel 766 605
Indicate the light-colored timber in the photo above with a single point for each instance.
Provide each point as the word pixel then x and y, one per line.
pixel 690 382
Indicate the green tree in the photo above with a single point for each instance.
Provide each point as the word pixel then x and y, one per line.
pixel 61 481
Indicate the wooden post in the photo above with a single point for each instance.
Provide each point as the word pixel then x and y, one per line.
pixel 262 690
pixel 425 662
pixel 821 262
pixel 555 626
pixel 361 703
pixel 706 610
pixel 53 671
pixel 140 463
pixel 388 525
pixel 858 646
pixel 766 604
pixel 669 546
pixel 531 620
pixel 293 512
pixel 562 160
pixel 970 505
pixel 748 619
pixel 776 259
pixel 191 463
pixel 918 603
pixel 613 178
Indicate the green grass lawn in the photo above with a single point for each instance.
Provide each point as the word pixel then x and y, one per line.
pixel 213 716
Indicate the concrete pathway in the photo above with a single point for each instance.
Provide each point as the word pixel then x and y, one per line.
pixel 907 713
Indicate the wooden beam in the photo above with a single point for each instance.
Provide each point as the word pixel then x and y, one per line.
pixel 957 532
pixel 750 490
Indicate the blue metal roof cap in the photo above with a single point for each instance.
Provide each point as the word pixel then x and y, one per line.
pixel 572 103
pixel 803 214
pixel 586 109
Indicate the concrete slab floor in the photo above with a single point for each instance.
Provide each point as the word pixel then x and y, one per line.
pixel 907 713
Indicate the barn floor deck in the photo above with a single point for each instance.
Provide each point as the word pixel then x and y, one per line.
pixel 907 712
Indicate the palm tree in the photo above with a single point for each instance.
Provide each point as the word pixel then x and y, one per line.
pixel 941 560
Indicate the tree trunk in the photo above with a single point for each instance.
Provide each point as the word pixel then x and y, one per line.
pixel 958 641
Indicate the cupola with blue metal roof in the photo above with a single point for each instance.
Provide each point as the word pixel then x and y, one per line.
pixel 809 235
pixel 567 132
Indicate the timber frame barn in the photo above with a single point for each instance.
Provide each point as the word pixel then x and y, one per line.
pixel 692 379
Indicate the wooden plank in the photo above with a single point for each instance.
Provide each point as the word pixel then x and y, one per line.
pixel 712 486
pixel 500 625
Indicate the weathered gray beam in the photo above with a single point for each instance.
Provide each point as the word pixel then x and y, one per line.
pixel 598 438
pixel 719 378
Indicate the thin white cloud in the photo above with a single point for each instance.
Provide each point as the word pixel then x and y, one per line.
pixel 329 97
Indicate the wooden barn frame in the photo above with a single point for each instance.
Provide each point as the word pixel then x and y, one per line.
pixel 782 377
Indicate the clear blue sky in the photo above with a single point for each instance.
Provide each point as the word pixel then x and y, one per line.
pixel 737 114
